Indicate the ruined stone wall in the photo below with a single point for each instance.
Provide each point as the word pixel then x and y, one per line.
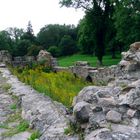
pixel 94 74
pixel 43 55
pixel 5 57
pixel 129 66
pixel 22 60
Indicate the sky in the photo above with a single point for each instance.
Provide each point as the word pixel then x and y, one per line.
pixel 17 13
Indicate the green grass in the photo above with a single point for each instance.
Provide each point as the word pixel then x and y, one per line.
pixel 22 125
pixel 13 106
pixel 70 60
pixel 35 135
pixel 4 126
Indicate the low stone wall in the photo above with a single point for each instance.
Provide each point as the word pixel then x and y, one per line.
pixel 129 66
pixel 94 74
pixel 43 114
pixel 23 60
pixel 5 57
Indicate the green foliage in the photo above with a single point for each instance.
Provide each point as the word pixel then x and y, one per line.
pixel 54 51
pixel 127 21
pixel 13 106
pixel 5 41
pixel 74 128
pixel 23 126
pixel 22 47
pixel 51 35
pixel 61 86
pixel 85 41
pixel 33 50
pixel 29 34
pixel 107 25
pixel 67 46
pixel 4 126
pixel 94 29
pixel 35 135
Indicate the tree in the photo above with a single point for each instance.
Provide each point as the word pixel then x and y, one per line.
pixel 127 21
pixel 85 41
pixel 33 50
pixel 15 33
pixel 6 42
pixel 22 47
pixel 67 46
pixel 54 50
pixel 97 16
pixel 29 34
pixel 51 35
pixel 27 43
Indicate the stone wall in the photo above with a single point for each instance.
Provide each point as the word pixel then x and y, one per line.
pixel 43 56
pixel 93 74
pixel 22 60
pixel 128 66
pixel 5 57
pixel 112 112
pixel 109 112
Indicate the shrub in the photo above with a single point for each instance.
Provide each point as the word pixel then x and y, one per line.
pixel 54 51
pixel 61 86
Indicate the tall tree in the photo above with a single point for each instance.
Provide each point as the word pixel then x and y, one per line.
pixel 85 39
pixel 97 16
pixel 127 21
pixel 6 42
pixel 29 34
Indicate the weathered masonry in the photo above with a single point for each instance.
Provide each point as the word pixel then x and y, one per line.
pixel 130 64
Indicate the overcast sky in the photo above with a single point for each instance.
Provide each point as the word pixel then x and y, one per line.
pixel 17 13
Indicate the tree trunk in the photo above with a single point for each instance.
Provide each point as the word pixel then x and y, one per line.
pixel 100 62
pixel 113 53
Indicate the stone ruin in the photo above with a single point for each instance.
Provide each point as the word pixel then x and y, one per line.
pixel 5 57
pixel 112 112
pixel 47 58
pixel 43 57
pixel 22 60
pixel 129 65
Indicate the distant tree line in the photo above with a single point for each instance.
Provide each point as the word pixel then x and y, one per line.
pixel 60 40
pixel 107 27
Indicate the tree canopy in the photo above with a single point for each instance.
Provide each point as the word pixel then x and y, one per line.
pixel 107 25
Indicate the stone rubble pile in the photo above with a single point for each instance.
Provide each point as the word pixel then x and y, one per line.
pixel 112 112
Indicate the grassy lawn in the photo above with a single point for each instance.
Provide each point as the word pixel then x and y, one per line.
pixel 69 60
